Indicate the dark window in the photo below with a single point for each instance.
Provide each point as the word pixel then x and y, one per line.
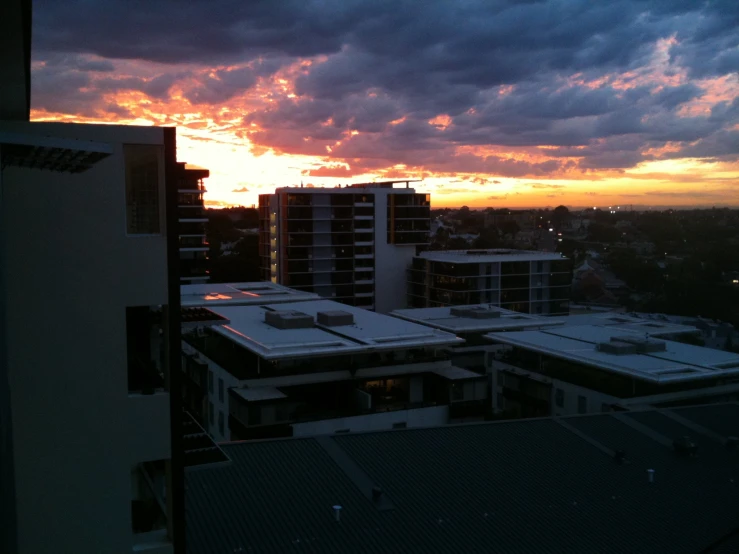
pixel 559 398
pixel 143 375
pixel 220 423
pixel 582 405
pixel 210 381
pixel 143 165
pixel 220 390
pixel 211 413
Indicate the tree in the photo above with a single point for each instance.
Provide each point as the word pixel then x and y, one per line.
pixel 457 243
pixel 510 228
pixel 489 238
pixel 560 216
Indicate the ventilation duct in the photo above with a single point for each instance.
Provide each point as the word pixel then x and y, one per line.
pixel 335 318
pixel 475 312
pixel 288 319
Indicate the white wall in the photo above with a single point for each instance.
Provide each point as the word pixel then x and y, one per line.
pixel 421 417
pixel 391 262
pixel 70 272
pixel 595 400
pixel 229 381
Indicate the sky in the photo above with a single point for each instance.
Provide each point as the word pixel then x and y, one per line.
pixel 503 103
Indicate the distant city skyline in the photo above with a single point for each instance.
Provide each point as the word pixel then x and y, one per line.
pixel 557 102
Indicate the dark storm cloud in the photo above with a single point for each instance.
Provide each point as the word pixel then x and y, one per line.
pixel 500 69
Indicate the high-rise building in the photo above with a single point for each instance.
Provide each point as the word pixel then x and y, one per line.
pixel 91 457
pixel 192 220
pixel 519 280
pixel 349 244
pixel 90 429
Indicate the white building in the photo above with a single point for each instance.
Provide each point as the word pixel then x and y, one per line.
pixel 319 366
pixel 240 294
pixel 590 369
pixel 520 280
pixel 348 244
pixel 91 445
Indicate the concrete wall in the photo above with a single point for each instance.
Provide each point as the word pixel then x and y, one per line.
pixel 70 272
pixel 391 263
pixel 595 400
pixel 421 417
pixel 229 381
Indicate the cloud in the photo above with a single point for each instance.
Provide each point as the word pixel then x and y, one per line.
pixel 556 88
pixel 242 189
pixel 544 186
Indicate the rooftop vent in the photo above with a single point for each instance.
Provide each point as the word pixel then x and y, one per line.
pixel 335 318
pixel 288 319
pixel 616 347
pixel 685 446
pixel 475 312
pixel 631 345
pixel 643 344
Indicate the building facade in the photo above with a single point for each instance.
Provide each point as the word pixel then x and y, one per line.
pixel 318 366
pixel 192 219
pixel 582 369
pixel 519 280
pixel 348 244
pixel 90 429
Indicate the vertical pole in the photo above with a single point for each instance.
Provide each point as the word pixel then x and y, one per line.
pixel 8 527
pixel 172 343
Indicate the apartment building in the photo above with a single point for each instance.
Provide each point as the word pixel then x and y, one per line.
pixel 196 301
pixel 590 369
pixel 350 244
pixel 192 220
pixel 520 280
pixel 91 432
pixel 319 366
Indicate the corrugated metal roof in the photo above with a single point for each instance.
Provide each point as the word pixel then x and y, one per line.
pixel 517 487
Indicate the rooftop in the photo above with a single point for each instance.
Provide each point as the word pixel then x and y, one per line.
pixel 240 294
pixel 353 188
pixel 489 256
pixel 626 322
pixel 577 343
pixel 522 486
pixel 369 332
pixel 443 319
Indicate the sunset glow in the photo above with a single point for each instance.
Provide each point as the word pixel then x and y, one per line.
pixel 649 121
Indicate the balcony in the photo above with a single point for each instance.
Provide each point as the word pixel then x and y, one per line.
pixel 193 244
pixel 192 214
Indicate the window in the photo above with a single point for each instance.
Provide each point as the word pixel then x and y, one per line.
pixel 210 381
pixel 582 405
pixel 559 398
pixel 211 414
pixel 144 165
pixel 220 423
pixel 606 407
pixel 143 375
pixel 220 390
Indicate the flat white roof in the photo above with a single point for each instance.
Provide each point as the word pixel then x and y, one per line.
pixel 240 294
pixel 260 393
pixel 679 362
pixel 489 256
pixel 625 322
pixel 442 318
pixel 370 332
pixel 454 373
